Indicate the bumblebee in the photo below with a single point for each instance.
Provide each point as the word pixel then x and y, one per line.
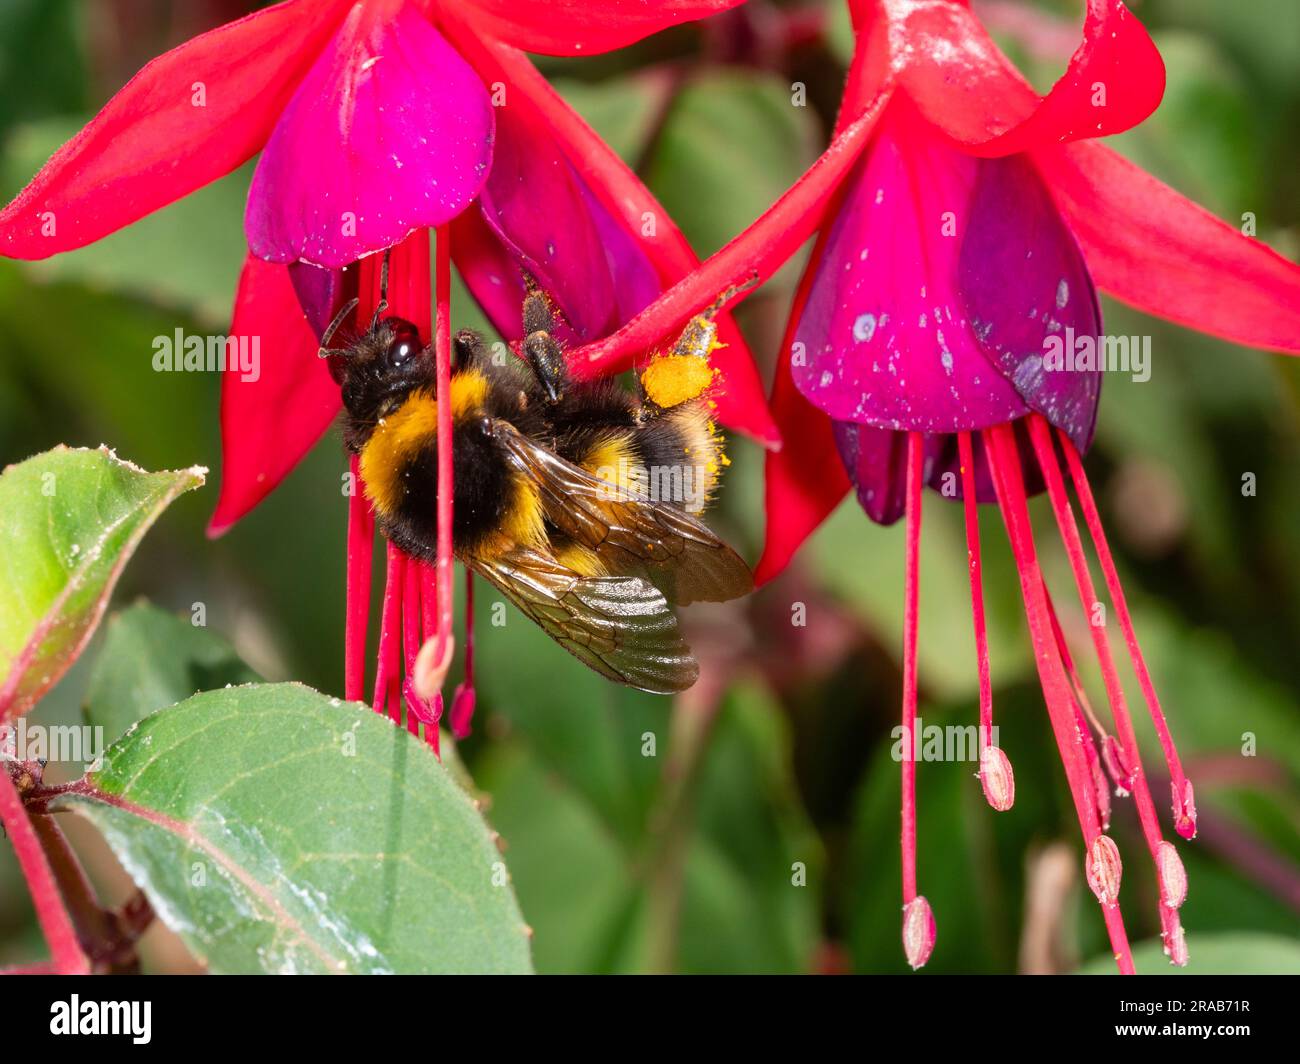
pixel 576 500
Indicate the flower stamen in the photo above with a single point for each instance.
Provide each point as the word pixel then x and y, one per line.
pixel 1184 803
pixel 996 775
pixel 1004 463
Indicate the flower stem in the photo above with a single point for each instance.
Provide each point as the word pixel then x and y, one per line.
pixel 66 953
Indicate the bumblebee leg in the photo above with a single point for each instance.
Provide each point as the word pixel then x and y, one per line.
pixel 468 350
pixel 547 361
pixel 540 347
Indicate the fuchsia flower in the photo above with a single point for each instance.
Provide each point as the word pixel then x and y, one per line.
pixel 378 120
pixel 962 222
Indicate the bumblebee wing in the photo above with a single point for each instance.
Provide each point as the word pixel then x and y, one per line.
pixel 629 533
pixel 620 626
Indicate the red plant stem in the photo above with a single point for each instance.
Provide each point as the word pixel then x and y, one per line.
pixel 411 617
pixel 388 671
pixel 1041 435
pixel 971 503
pixel 93 924
pixel 1004 463
pixel 65 951
pixel 361 546
pixel 911 588
pixel 469 627
pixel 1093 520
pixel 446 485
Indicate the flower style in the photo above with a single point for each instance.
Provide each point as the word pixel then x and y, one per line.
pixel 377 121
pixel 962 222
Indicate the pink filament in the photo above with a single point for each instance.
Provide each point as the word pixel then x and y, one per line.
pixel 361 546
pixel 1093 520
pixel 1041 434
pixel 446 486
pixel 411 637
pixel 971 503
pixel 915 460
pixel 388 673
pixel 1004 463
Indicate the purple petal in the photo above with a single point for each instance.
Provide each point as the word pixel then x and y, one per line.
pixel 1026 289
pixel 390 131
pixel 876 462
pixel 885 339
pixel 321 293
pixel 943 472
pixel 552 225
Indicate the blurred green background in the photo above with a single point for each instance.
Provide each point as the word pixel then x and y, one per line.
pixel 752 825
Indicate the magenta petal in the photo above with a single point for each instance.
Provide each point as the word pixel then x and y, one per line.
pixel 875 460
pixel 390 131
pixel 322 293
pixel 884 338
pixel 1026 290
pixel 550 223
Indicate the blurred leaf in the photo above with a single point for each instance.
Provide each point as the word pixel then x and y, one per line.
pixel 69 520
pixel 622 110
pixel 152 659
pixel 754 870
pixel 577 723
pixel 1224 954
pixel 1204 137
pixel 1263 33
pixel 41 60
pixel 863 563
pixel 277 830
pixel 970 859
pixel 571 873
pixel 188 254
pixel 731 144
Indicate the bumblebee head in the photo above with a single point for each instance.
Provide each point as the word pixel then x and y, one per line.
pixel 384 366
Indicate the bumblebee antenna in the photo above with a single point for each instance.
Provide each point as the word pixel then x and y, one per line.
pixel 325 350
pixel 382 305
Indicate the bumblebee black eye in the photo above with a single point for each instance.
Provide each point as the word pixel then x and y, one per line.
pixel 404 346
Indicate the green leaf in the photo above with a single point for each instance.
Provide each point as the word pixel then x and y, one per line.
pixel 69 520
pixel 1225 954
pixel 278 830
pixel 152 659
